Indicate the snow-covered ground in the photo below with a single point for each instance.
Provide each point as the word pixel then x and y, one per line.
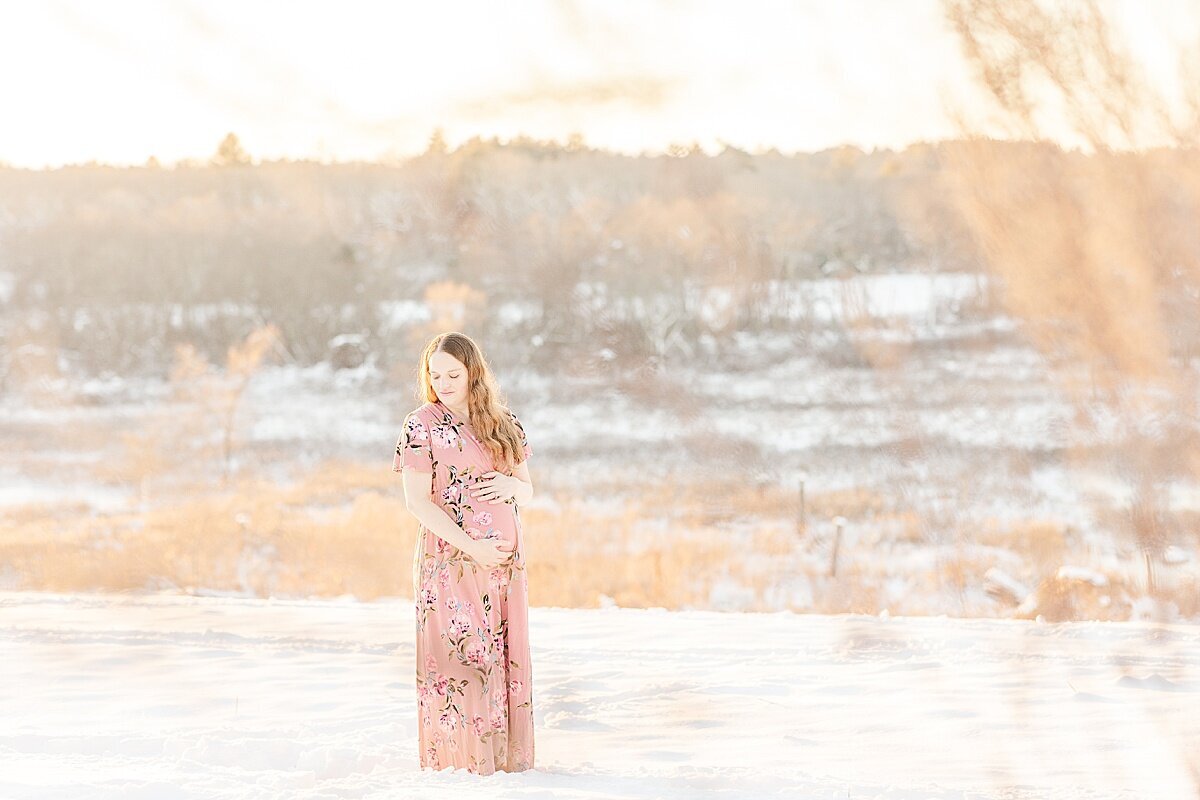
pixel 158 696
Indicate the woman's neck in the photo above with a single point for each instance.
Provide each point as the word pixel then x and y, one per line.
pixel 462 413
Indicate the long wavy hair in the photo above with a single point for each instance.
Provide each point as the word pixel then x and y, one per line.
pixel 489 415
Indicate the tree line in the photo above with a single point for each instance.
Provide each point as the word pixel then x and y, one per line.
pixel 114 266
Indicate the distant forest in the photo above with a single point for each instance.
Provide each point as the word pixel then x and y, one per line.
pixel 106 269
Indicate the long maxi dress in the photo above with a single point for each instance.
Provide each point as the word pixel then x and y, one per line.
pixel 474 682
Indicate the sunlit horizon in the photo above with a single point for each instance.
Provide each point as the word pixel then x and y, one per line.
pixel 137 80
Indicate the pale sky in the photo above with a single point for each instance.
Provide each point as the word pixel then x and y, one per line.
pixel 120 80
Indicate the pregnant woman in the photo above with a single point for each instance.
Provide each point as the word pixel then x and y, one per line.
pixel 464 456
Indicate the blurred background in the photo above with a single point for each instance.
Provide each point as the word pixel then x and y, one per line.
pixel 827 307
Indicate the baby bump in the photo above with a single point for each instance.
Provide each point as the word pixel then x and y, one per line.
pixel 491 521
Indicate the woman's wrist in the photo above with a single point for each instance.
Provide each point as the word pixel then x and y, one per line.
pixel 438 520
pixel 523 493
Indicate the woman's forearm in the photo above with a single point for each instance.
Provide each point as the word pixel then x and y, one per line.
pixel 436 519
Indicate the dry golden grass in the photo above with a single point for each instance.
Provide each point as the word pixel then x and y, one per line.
pixel 341 528
pixel 1061 599
pixel 852 503
pixel 846 593
pixel 576 555
pixel 1042 544
pixel 1186 595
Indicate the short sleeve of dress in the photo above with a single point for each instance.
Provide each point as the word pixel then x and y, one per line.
pixel 413 449
pixel 524 439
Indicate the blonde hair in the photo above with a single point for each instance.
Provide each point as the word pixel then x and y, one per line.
pixel 489 417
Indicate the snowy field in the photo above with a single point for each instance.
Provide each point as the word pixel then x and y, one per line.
pixel 951 460
pixel 156 696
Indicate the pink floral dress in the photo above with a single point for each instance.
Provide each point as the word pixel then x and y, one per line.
pixel 474 684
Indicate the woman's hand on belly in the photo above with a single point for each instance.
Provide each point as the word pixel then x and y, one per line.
pixel 488 533
pixel 489 553
pixel 495 487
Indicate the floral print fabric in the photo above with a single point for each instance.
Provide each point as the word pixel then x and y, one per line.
pixel 474 684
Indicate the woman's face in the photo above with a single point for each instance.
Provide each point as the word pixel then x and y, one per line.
pixel 448 376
